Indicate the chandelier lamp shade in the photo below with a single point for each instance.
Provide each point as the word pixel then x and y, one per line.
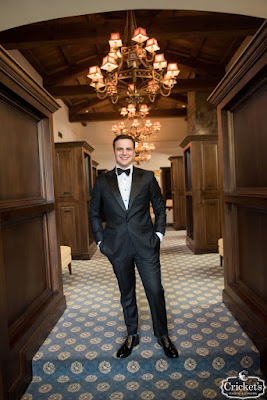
pixel 133 70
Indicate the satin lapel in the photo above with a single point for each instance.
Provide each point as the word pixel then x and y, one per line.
pixel 113 183
pixel 136 183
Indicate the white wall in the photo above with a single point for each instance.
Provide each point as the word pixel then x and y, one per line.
pixel 22 12
pixel 71 131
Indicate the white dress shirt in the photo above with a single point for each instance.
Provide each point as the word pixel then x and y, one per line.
pixel 125 183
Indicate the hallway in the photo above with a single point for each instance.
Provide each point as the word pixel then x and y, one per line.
pixel 77 361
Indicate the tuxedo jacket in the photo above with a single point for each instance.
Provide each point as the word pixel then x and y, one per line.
pixel 134 224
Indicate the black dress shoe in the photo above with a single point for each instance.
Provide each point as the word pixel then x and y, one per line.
pixel 168 347
pixel 126 349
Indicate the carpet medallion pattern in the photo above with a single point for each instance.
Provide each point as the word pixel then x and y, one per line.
pixel 78 360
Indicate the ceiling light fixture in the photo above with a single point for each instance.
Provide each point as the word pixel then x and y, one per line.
pixel 135 124
pixel 142 152
pixel 133 70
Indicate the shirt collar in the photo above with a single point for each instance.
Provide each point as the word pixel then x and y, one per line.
pixel 130 167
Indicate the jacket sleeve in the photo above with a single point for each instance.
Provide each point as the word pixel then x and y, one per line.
pixel 158 206
pixel 95 212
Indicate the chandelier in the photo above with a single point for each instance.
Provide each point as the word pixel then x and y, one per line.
pixel 142 151
pixel 133 70
pixel 136 125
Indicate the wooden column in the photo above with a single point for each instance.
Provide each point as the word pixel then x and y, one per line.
pixel 31 294
pixel 241 99
pixel 202 192
pixel 75 183
pixel 178 192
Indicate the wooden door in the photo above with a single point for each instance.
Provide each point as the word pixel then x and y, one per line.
pixel 69 226
pixel 31 297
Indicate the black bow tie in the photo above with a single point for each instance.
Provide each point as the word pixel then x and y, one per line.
pixel 120 171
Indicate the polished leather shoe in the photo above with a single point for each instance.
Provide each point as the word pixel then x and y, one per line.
pixel 127 347
pixel 168 347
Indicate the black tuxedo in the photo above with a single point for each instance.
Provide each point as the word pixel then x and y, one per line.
pixel 130 237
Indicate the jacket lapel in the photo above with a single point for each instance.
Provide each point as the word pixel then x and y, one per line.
pixel 136 183
pixel 113 183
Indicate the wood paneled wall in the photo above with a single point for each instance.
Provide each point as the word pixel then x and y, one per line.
pixel 241 100
pixel 31 295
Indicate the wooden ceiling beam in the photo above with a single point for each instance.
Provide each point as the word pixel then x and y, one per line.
pixel 195 85
pixel 182 85
pixel 60 92
pixel 85 105
pixel 109 116
pixel 80 69
pixel 169 28
pixel 194 64
pixel 93 101
pixel 71 72
pixel 179 98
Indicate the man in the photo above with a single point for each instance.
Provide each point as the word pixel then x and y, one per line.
pixel 130 238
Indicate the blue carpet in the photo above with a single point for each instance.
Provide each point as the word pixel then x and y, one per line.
pixel 77 361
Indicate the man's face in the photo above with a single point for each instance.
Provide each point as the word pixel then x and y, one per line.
pixel 124 152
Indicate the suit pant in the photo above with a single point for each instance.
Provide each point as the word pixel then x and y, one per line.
pixel 149 271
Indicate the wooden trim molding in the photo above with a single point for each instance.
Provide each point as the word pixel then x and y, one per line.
pixel 197 138
pixel 14 72
pixel 75 144
pixel 253 52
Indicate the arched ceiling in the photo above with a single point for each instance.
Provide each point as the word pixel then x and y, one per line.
pixel 61 51
pixel 21 12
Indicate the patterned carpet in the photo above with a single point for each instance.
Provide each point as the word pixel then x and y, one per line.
pixel 77 361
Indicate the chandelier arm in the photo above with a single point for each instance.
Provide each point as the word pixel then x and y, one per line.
pixel 101 94
pixel 165 94
pixel 113 78
pixel 145 63
pixel 168 87
pixel 114 98
pixel 150 60
pixel 152 97
pixel 157 76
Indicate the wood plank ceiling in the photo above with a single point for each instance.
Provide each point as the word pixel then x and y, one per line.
pixel 62 50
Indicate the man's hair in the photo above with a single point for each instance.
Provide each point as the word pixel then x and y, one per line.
pixel 123 137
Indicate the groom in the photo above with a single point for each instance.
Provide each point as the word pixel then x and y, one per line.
pixel 130 238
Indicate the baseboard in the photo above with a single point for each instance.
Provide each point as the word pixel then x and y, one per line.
pixel 249 327
pixel 31 347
